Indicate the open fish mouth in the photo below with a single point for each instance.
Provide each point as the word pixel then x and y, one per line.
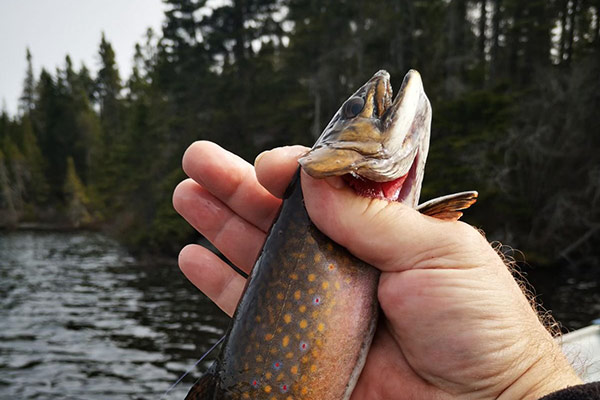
pixel 378 145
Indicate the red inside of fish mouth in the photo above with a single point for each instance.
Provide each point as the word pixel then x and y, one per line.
pixel 395 190
pixel 376 190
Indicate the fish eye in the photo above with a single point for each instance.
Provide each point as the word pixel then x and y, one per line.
pixel 353 107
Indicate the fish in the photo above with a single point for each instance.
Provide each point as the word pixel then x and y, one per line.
pixel 308 313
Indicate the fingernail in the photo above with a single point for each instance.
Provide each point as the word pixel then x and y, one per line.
pixel 335 182
pixel 258 157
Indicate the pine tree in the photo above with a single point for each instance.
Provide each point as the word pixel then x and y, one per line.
pixel 27 99
pixel 108 93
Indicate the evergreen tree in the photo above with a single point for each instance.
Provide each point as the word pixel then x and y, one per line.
pixel 27 99
pixel 108 93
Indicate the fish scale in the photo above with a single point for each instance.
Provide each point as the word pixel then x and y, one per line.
pixel 293 327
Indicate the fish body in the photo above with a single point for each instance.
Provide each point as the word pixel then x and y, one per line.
pixel 308 314
pixel 306 320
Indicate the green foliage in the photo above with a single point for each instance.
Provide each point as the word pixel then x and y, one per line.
pixel 76 198
pixel 514 88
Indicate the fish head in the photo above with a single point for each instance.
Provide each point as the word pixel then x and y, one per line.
pixel 377 144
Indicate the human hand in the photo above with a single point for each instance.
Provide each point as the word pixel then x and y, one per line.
pixel 456 323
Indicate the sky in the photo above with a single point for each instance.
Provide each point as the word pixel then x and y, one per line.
pixel 54 28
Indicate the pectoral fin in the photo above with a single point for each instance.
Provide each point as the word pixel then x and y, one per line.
pixel 448 207
pixel 205 388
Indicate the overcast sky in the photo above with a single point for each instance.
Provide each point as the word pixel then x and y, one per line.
pixel 55 28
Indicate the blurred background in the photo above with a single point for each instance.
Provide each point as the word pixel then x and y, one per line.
pixel 92 302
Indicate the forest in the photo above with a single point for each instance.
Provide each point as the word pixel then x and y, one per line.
pixel 514 85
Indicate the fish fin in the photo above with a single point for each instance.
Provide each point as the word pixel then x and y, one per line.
pixel 205 387
pixel 448 207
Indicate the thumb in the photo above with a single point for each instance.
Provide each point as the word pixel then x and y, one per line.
pixel 390 235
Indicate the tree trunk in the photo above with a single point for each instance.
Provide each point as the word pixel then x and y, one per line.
pixel 482 25
pixel 563 31
pixel 495 48
pixel 571 33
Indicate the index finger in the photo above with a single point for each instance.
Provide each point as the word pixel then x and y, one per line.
pixel 232 180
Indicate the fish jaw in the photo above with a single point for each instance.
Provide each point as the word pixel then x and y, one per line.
pixel 381 150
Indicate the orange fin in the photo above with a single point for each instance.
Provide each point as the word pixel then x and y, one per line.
pixel 448 207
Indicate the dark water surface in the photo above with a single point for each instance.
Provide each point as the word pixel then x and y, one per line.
pixel 80 319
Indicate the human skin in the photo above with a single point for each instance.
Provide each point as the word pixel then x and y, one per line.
pixel 455 323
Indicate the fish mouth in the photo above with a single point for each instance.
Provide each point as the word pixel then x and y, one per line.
pixel 381 151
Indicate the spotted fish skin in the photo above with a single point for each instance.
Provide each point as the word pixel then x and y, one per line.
pixel 305 321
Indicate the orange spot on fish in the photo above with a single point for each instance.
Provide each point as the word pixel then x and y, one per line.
pixel 294 276
pixel 313 368
pixel 303 324
pixel 317 257
pixel 331 267
pixel 297 294
pixel 268 389
pixel 311 277
pixel 302 308
pixel 287 318
pixel 280 296
pixel 285 341
pixel 321 327
pixel 268 336
pixel 294 369
pixel 325 285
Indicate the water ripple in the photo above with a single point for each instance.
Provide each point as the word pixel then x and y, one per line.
pixel 79 318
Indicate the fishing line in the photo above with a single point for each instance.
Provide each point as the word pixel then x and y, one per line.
pixel 192 367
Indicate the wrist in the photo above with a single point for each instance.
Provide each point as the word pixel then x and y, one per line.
pixel 547 373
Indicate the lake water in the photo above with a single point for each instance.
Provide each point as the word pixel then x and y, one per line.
pixel 80 319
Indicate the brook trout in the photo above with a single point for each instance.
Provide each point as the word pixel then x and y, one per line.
pixel 306 320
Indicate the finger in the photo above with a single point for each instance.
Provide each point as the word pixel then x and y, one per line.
pixel 275 168
pixel 231 180
pixel 389 235
pixel 236 238
pixel 212 276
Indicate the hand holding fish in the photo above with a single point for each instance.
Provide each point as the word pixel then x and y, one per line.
pixel 455 323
